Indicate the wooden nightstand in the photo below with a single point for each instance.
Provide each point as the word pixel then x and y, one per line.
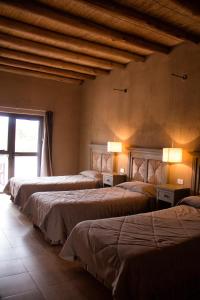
pixel 111 179
pixel 171 194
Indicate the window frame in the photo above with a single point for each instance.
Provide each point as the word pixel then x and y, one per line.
pixel 11 140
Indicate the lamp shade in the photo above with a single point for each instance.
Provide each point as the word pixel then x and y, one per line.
pixel 172 155
pixel 114 147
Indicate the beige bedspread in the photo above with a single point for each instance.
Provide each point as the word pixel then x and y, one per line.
pixel 56 213
pixel 150 256
pixel 21 189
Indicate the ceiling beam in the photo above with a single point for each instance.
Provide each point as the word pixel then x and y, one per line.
pixel 127 15
pixel 42 69
pixel 69 56
pixel 38 74
pixel 46 51
pixel 40 60
pixel 48 37
pixel 192 6
pixel 64 23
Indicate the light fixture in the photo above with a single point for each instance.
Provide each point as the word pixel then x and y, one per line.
pixel 114 147
pixel 172 155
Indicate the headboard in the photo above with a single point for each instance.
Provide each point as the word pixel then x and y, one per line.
pixel 146 165
pixel 195 185
pixel 100 159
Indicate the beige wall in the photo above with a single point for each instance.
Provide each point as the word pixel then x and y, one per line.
pixel 158 109
pixel 63 99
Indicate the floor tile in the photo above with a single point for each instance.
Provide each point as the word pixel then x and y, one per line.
pixel 16 284
pixel 30 268
pixel 7 254
pixel 44 262
pixel 32 295
pixel 11 267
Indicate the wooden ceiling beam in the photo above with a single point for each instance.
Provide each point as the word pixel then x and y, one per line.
pixel 48 37
pixel 69 56
pixel 192 6
pixel 47 51
pixel 40 60
pixel 38 74
pixel 129 16
pixel 39 15
pixel 42 69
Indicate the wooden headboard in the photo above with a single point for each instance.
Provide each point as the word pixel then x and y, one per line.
pixel 146 165
pixel 100 159
pixel 195 185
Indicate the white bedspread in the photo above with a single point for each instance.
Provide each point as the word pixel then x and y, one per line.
pixel 56 213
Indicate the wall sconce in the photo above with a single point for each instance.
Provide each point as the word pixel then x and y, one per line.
pixel 172 155
pixel 114 147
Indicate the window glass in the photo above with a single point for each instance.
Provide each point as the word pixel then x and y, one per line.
pixel 3 171
pixel 4 133
pixel 26 135
pixel 25 166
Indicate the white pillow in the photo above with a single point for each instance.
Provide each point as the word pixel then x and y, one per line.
pixel 140 187
pixel 92 174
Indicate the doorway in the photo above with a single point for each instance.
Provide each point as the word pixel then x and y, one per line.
pixel 20 146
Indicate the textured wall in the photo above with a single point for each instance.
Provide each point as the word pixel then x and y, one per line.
pixel 63 99
pixel 157 110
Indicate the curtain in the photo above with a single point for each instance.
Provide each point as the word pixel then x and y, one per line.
pixel 46 155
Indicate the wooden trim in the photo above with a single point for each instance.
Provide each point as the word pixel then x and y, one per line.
pixel 67 24
pixel 38 74
pixel 146 153
pixel 44 69
pixel 59 40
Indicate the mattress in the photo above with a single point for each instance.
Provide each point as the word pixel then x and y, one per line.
pixel 56 213
pixel 150 256
pixel 21 189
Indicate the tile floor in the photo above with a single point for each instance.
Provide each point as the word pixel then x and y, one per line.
pixel 30 269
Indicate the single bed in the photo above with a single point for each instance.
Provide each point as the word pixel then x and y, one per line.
pixel 20 189
pixel 56 213
pixel 148 256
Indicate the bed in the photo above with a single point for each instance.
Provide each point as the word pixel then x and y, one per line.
pixel 148 256
pixel 56 213
pixel 20 189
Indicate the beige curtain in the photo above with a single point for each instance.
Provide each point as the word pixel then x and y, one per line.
pixel 46 155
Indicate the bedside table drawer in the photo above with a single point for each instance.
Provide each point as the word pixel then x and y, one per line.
pixel 108 180
pixel 166 196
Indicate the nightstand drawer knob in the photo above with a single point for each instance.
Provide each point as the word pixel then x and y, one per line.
pixel 166 196
pixel 108 180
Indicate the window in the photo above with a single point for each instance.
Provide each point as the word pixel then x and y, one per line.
pixel 20 146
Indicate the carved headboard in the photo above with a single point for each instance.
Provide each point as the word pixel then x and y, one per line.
pixel 195 185
pixel 100 159
pixel 146 165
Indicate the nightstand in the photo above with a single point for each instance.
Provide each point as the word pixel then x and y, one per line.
pixel 112 179
pixel 170 194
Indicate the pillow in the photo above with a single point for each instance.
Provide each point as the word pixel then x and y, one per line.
pixel 191 201
pixel 92 174
pixel 140 187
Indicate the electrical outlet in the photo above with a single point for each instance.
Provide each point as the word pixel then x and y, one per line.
pixel 180 181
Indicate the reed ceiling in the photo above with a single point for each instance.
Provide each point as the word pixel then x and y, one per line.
pixel 74 40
